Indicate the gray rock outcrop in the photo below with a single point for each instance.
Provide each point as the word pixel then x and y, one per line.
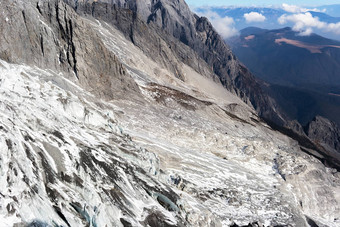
pixel 164 29
pixel 324 132
pixel 49 34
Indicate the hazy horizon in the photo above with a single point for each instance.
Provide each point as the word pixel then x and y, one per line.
pixel 259 3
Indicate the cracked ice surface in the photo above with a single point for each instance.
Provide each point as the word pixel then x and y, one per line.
pixel 61 151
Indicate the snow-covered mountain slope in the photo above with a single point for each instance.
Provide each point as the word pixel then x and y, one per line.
pixel 65 160
pixel 68 158
pixel 174 152
pixel 222 126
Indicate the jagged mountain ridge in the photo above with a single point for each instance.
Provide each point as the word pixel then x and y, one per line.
pixel 175 36
pixel 209 159
pixel 303 71
pixel 201 42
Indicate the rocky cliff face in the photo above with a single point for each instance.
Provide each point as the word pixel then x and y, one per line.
pixel 171 35
pixel 49 34
pixel 191 39
pixel 326 133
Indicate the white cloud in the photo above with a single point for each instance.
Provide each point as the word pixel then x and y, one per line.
pixel 335 27
pixel 306 32
pixel 301 21
pixel 254 17
pixel 223 25
pixel 297 9
pixel 305 22
pixel 293 8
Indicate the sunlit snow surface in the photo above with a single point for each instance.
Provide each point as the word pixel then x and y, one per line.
pixel 58 149
pixel 69 158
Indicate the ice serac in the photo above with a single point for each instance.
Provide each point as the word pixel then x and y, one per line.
pixel 49 34
pixel 191 39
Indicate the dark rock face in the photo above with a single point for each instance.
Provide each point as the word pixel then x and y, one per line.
pixel 233 75
pixel 142 28
pixel 296 127
pixel 60 40
pixel 324 132
pixel 169 33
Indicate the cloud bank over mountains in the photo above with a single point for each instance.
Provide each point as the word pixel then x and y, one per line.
pixel 254 17
pixel 297 9
pixel 305 20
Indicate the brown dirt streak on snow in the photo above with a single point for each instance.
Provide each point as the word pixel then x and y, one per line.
pixel 333 93
pixel 249 37
pixel 312 48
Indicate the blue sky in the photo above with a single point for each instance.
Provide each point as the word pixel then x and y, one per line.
pixel 296 14
pixel 260 2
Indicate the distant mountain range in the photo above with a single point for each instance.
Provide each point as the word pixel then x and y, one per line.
pixel 303 70
pixel 283 57
pixel 326 14
pixel 332 10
